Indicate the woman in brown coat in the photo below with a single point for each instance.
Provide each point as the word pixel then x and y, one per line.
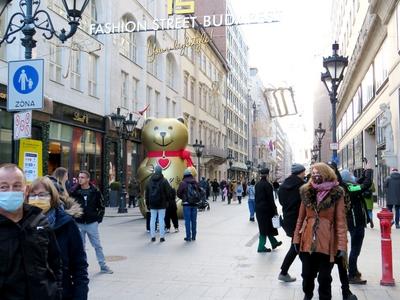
pixel 321 229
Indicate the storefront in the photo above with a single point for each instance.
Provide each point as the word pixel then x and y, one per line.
pixel 5 128
pixel 76 142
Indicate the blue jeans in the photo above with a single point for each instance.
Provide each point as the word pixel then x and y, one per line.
pixel 396 214
pixel 161 223
pixel 190 216
pixel 252 207
pixel 92 231
pixel 357 238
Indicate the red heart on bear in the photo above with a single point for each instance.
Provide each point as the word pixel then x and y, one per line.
pixel 164 163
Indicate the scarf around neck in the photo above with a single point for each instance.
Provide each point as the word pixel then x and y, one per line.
pixel 323 189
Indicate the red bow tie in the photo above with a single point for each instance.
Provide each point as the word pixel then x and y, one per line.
pixel 163 160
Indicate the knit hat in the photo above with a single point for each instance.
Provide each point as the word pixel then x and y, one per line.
pixel 297 169
pixel 264 171
pixel 347 177
pixel 187 172
pixel 157 169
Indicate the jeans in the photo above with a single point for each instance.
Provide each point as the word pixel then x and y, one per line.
pixel 215 196
pixel 92 230
pixel 397 212
pixel 222 195
pixel 357 238
pixel 316 264
pixel 190 216
pixel 289 259
pixel 252 207
pixel 153 219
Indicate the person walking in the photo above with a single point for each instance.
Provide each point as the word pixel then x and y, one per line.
pixel 91 200
pixel 43 194
pixel 252 199
pixel 157 196
pixel 239 192
pixel 189 192
pixel 392 188
pixel 133 192
pixel 289 198
pixel 171 212
pixel 30 257
pixel 369 202
pixel 265 210
pixel 320 231
pixel 222 187
pixel 275 185
pixel 230 190
pixel 215 189
pixel 60 179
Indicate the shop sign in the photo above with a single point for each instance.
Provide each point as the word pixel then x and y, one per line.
pixel 180 7
pixel 334 146
pixel 23 125
pixel 82 118
pixel 30 158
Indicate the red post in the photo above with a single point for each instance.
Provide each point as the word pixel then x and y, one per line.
pixel 385 217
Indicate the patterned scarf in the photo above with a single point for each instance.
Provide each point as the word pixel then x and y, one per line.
pixel 323 189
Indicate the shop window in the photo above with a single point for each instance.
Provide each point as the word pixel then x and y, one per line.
pixel 5 136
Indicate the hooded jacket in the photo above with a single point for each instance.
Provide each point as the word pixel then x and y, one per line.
pixel 392 187
pixel 181 193
pixel 289 198
pixel 30 263
pixel 74 262
pixel 164 191
pixel 93 206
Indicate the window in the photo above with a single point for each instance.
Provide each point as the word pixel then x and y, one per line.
pixel 381 66
pixel 149 101
pixel 157 104
pixel 89 16
pixel 367 87
pixel 170 71
pixel 128 40
pixel 357 102
pixel 135 83
pixel 76 70
pixel 152 62
pixel 55 67
pixel 192 88
pixel 185 85
pixel 173 109
pixel 168 100
pixel 349 114
pixel 93 62
pixel 124 89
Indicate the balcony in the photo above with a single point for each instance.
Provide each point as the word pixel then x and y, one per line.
pixel 215 154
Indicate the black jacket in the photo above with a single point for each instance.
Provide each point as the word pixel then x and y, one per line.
pixel 265 207
pixel 93 207
pixel 357 215
pixel 30 263
pixel 181 193
pixel 165 191
pixel 73 255
pixel 289 198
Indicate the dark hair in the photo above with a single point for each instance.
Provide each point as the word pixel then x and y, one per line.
pixel 85 172
pixel 253 182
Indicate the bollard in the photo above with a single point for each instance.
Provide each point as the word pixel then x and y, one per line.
pixel 385 217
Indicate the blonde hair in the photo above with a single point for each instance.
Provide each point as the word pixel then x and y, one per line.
pixel 49 187
pixel 325 171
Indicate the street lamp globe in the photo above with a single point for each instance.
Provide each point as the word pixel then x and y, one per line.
pixel 198 148
pixel 335 64
pixel 118 119
pixel 130 125
pixel 74 9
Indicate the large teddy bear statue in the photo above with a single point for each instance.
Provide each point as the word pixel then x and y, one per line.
pixel 165 140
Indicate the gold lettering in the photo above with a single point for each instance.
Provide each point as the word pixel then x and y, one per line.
pixel 181 7
pixel 84 118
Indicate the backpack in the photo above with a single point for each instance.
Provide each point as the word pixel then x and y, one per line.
pixel 192 194
pixel 155 197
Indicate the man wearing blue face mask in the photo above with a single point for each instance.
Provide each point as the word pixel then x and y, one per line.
pixel 31 263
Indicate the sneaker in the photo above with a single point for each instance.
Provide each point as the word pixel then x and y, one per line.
pixel 252 220
pixel 187 240
pixel 167 230
pixel 153 239
pixel 350 296
pixel 162 240
pixel 264 250
pixel 106 270
pixel 276 245
pixel 397 226
pixel 286 278
pixel 357 280
pixel 176 229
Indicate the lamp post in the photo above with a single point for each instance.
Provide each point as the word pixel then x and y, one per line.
pixel 198 148
pixel 230 159
pixel 314 153
pixel 249 165
pixel 31 17
pixel 332 78
pixel 125 127
pixel 319 134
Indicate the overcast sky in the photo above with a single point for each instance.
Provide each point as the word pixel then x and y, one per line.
pixel 289 53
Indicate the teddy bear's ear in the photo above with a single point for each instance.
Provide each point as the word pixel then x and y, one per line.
pixel 181 119
pixel 148 120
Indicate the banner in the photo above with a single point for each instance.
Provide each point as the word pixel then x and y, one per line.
pixel 30 158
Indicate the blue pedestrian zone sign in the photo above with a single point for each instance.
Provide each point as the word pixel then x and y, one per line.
pixel 25 85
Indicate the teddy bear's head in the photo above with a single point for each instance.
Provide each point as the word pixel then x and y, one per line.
pixel 164 134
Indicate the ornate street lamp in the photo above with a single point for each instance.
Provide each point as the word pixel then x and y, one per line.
pixel 31 17
pixel 314 153
pixel 319 135
pixel 332 78
pixel 230 159
pixel 125 128
pixel 249 165
pixel 198 148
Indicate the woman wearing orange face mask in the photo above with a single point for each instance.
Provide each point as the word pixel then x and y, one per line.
pixel 44 195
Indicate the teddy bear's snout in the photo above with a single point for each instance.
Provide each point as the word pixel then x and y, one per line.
pixel 163 134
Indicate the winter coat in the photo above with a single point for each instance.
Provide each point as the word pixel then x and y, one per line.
pixel 181 193
pixel 322 227
pixel 133 188
pixel 215 186
pixel 93 207
pixel 357 216
pixel 392 187
pixel 164 192
pixel 265 207
pixel 73 255
pixel 30 263
pixel 289 198
pixel 252 192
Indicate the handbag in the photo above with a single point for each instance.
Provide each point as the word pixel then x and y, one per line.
pixel 276 221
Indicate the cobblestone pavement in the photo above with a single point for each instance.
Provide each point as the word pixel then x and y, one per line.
pixel 221 264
